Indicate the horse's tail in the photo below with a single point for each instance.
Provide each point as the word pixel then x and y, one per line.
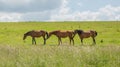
pixel 47 35
pixel 73 34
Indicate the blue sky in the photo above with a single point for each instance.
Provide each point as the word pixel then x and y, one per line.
pixel 59 10
pixel 92 5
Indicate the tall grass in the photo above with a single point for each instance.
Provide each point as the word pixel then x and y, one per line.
pixel 59 56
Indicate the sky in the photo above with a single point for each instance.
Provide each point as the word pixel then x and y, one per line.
pixel 59 10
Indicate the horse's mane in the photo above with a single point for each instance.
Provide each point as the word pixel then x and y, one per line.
pixel 79 31
pixel 28 32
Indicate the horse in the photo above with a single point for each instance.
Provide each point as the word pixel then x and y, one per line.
pixel 87 34
pixel 62 34
pixel 36 34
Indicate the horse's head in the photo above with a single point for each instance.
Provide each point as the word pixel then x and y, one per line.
pixel 93 32
pixel 27 34
pixel 49 34
pixel 24 37
pixel 96 33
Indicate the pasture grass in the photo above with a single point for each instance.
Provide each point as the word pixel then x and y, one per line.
pixel 14 52
pixel 59 56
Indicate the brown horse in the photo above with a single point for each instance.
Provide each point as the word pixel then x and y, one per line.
pixel 34 34
pixel 63 34
pixel 87 34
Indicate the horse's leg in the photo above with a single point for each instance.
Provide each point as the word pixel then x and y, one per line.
pixel 94 40
pixel 73 41
pixel 70 40
pixel 58 41
pixel 82 41
pixel 44 40
pixel 34 40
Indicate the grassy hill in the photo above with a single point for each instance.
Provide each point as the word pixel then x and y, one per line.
pixel 14 52
pixel 12 33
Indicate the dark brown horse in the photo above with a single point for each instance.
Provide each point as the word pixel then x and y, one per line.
pixel 35 34
pixel 87 34
pixel 63 34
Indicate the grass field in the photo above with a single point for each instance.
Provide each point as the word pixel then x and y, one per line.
pixel 14 52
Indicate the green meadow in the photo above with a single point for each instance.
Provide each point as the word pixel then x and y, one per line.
pixel 14 52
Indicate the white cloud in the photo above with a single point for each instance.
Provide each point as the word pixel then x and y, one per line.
pixel 62 13
pixel 106 13
pixel 86 15
pixel 15 2
pixel 109 12
pixel 22 6
pixel 79 4
pixel 56 10
pixel 28 10
pixel 36 16
pixel 10 17
pixel 117 17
